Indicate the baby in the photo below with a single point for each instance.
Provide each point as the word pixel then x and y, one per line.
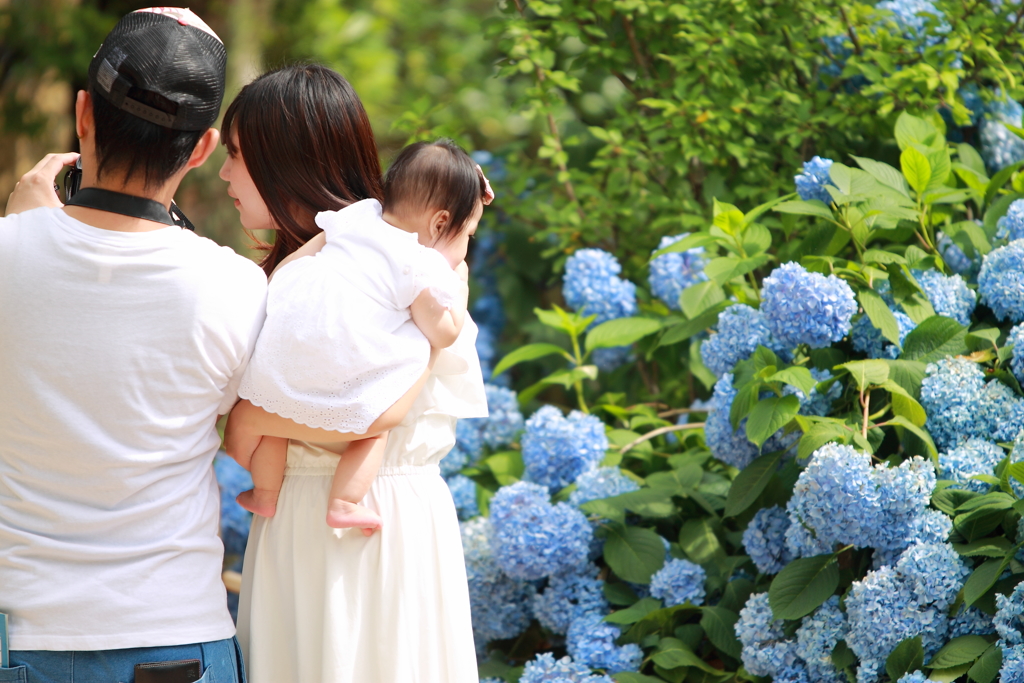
pixel 384 285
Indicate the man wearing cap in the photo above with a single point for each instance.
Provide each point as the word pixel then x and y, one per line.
pixel 123 337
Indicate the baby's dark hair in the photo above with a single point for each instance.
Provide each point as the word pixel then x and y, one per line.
pixel 435 175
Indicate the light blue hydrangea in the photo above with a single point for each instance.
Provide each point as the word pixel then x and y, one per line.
pixel 592 285
pixel 913 16
pixel 812 182
pixel 539 540
pixel 839 50
pixel 515 496
pixel 959 262
pixel 950 393
pixel 931 526
pixel 464 495
pixel 741 329
pixel 1009 617
pixel 454 461
pixel 558 449
pixel 934 573
pixel 801 542
pixel 612 358
pixel 1012 669
pixel 765 540
pixel 499 604
pixel 949 295
pixel 591 641
pixel 670 274
pixel 603 482
pixel 487 352
pixel 971 622
pixel 504 422
pixel 817 403
pixel 913 677
pixel 766 650
pixel 999 147
pixel 793 674
pixel 679 581
pixel 868 339
pixel 1016 337
pixel 806 308
pixel 1000 412
pixel 489 313
pixel 1001 281
pixel 544 668
pixel 235 521
pixel 1011 225
pixel 729 445
pixel 974 456
pixel 817 637
pixel 569 596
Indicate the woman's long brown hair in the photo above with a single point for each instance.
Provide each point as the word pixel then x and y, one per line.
pixel 309 147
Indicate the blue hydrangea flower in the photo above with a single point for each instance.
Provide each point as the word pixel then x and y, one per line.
pixel 499 604
pixel 591 641
pixel 959 262
pixel 765 540
pixel 1001 281
pixel 971 622
pixel 544 668
pixel 487 351
pixel 766 650
pixel 1012 669
pixel 817 637
pixel 515 496
pixel 999 147
pixel 812 182
pixel 741 329
pixel 670 274
pixel 568 597
pixel 464 495
pixel 1009 617
pixel 603 482
pixel 868 339
pixel 1000 412
pixel 505 421
pixel 489 313
pixel 557 449
pixel 913 677
pixel 801 542
pixel 793 674
pixel 817 403
pixel 933 572
pixel 534 541
pixel 949 295
pixel 974 456
pixel 732 446
pixel 931 526
pixel 806 308
pixel 592 285
pixel 455 460
pixel 950 393
pixel 1016 338
pixel 679 581
pixel 912 16
pixel 232 479
pixel 612 358
pixel 1011 225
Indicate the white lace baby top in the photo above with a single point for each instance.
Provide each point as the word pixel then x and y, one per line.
pixel 339 346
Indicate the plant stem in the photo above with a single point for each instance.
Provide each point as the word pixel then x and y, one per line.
pixel 865 401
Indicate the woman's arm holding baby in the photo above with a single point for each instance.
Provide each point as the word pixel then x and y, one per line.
pixel 441 325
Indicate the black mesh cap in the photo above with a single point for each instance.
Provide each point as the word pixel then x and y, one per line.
pixel 164 67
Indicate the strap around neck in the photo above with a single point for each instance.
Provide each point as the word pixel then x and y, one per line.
pixel 124 204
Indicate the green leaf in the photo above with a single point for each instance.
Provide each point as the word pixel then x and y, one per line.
pixel 970 158
pixel 679 481
pixel 756 239
pixel 982 579
pixel 814 207
pixel 633 553
pixel 507 467
pixel 986 547
pixel 987 667
pixel 725 268
pixel 698 239
pixel 634 612
pixel 720 626
pixel 769 416
pixel 911 129
pixel 727 217
pixel 901 421
pixel 633 677
pixel 621 332
pixel 908 374
pixel 916 169
pixel 819 434
pixel 999 179
pixel 698 540
pixel 880 315
pixel 672 653
pixel 618 593
pixel 528 352
pixel 645 502
pixel 959 651
pixel 905 658
pixel 878 256
pixel 795 376
pixel 700 297
pixel 866 372
pixel 904 404
pixel 802 586
pixel 604 508
pixel 685 330
pixel 948 675
pixel 885 174
pixel 934 339
pixel 750 483
pixel 842 656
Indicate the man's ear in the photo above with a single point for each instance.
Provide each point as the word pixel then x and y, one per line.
pixel 83 114
pixel 204 148
pixel 438 222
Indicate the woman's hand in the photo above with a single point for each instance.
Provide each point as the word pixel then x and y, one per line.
pixel 240 440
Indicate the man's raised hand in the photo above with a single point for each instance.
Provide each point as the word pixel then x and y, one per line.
pixel 35 189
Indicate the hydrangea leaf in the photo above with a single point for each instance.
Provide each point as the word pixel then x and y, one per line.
pixel 635 612
pixel 818 433
pixel 905 405
pixel 803 586
pixel 997 210
pixel 866 372
pixel 987 667
pixel 900 421
pixel 885 174
pixel 880 314
pixel 698 298
pixel 756 239
pixel 685 330
pixel 720 626
pixel 645 502
pixel 634 677
pixel 750 483
pixel 983 578
pixel 621 332
pixel 948 675
pixel 969 236
pixel 796 376
pixel 633 553
pixel 916 169
pixel 507 466
pixel 672 653
pixel 727 218
pixel 605 509
pixel 725 268
pixel 769 416
pixel 934 339
pixel 958 651
pixel 679 481
pixel 971 159
pixel 997 182
pixel 911 129
pixel 698 540
pixel 908 374
pixel 814 207
pixel 697 239
pixel 906 657
pixel 842 656
pixel 986 547
pixel 528 352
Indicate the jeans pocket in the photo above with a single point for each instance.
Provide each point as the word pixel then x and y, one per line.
pixel 17 674
pixel 209 676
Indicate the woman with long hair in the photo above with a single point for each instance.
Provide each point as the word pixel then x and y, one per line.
pixel 317 606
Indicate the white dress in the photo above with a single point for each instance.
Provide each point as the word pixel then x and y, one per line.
pixel 339 346
pixel 391 608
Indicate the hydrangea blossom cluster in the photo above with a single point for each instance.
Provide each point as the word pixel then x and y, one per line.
pixel 1011 225
pixel 496 431
pixel 971 622
pixel 868 339
pixel 913 16
pixel 1001 281
pixel 611 358
pixel 1016 338
pixel 591 641
pixel 232 479
pixel 949 295
pixel 841 498
pixel 536 539
pixel 464 495
pixel 894 603
pixel 558 449
pixel 544 668
pixel 568 597
pixel 499 603
pixel 817 637
pixel 592 285
pixel 766 649
pixel 793 674
pixel 765 540
pixel 956 259
pixel 999 147
pixel 1012 669
pixel 670 274
pixel 603 482
pixel 732 446
pixel 741 329
pixel 679 581
pixel 974 456
pixel 469 446
pixel 1009 624
pixel 806 308
pixel 961 405
pixel 812 182
pixel 913 677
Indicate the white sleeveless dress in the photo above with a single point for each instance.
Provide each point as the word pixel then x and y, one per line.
pixel 391 608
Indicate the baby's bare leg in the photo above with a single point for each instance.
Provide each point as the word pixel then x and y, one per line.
pixel 352 478
pixel 267 467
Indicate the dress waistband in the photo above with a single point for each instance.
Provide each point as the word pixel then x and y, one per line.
pixel 403 470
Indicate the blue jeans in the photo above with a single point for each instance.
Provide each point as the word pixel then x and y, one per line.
pixel 220 661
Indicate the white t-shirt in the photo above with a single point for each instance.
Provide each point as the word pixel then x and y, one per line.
pixel 117 352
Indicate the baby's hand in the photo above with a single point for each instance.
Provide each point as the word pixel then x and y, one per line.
pixel 239 442
pixel 462 270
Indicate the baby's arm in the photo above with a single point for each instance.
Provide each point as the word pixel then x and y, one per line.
pixel 352 478
pixel 440 325
pixel 267 467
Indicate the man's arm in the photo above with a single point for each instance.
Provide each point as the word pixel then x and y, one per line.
pixel 35 189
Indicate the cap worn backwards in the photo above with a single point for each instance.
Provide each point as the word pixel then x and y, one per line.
pixel 163 65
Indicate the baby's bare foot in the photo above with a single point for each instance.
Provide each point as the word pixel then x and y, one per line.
pixel 262 502
pixel 342 514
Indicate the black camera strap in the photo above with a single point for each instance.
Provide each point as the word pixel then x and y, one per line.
pixel 124 204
